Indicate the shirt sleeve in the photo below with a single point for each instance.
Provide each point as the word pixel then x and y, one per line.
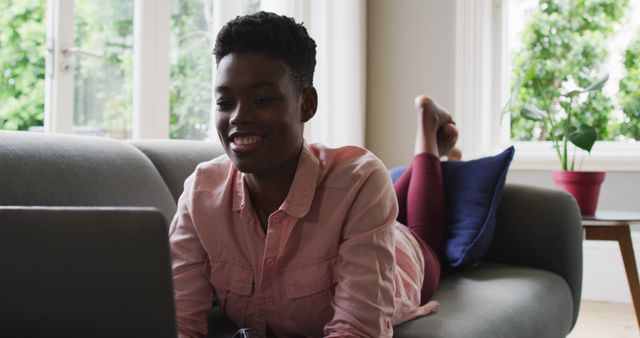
pixel 364 295
pixel 193 292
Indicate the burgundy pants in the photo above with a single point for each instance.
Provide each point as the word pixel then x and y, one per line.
pixel 420 196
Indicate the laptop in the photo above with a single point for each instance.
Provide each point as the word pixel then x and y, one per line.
pixel 85 272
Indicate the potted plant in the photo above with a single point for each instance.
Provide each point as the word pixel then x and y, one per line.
pixel 565 129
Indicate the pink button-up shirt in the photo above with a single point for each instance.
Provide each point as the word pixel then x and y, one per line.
pixel 334 262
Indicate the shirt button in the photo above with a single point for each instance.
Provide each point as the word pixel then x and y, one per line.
pixel 269 261
pixel 277 218
pixel 269 302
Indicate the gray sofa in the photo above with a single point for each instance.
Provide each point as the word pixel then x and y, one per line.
pixel 528 285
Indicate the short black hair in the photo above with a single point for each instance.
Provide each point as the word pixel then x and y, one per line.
pixel 272 34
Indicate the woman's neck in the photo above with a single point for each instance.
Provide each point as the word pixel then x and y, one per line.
pixel 268 190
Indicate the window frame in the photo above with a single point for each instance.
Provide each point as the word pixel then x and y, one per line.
pixel 58 107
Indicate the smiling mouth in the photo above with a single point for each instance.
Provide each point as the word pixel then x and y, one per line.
pixel 245 143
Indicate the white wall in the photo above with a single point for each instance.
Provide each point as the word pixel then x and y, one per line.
pixel 411 51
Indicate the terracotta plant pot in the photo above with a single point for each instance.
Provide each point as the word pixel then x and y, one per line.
pixel 583 185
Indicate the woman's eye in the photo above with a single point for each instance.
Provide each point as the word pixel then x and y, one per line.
pixel 263 101
pixel 223 104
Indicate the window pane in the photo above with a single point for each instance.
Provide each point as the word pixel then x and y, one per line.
pixel 191 61
pixel 103 82
pixel 22 64
pixel 564 45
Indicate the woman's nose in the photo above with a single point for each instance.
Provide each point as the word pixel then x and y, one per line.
pixel 242 114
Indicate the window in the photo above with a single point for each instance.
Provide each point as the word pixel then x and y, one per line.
pixel 103 68
pixel 22 64
pixel 87 82
pixel 573 43
pixel 191 74
pixel 581 38
pixel 144 68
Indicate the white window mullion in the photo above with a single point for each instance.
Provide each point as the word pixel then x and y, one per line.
pixel 502 74
pixel 58 107
pixel 151 73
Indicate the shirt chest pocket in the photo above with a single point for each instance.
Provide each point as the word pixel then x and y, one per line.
pixel 233 286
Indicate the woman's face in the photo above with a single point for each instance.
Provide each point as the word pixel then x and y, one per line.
pixel 259 113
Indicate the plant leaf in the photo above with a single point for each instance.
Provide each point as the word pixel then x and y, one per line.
pixel 573 93
pixel 597 85
pixel 531 112
pixel 584 137
pixel 531 72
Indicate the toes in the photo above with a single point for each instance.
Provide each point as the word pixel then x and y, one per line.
pixel 423 101
pixel 448 132
pixel 454 154
pixel 447 137
pixel 428 105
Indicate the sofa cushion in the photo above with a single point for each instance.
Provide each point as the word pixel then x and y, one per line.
pixel 494 301
pixel 68 170
pixel 488 301
pixel 177 159
pixel 472 191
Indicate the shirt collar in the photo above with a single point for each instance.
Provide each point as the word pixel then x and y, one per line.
pixel 240 196
pixel 301 192
pixel 303 187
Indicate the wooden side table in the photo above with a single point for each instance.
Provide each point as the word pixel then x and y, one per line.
pixel 614 226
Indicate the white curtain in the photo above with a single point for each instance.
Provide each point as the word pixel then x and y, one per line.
pixel 339 29
pixel 482 80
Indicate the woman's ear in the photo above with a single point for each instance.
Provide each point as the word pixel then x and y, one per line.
pixel 309 103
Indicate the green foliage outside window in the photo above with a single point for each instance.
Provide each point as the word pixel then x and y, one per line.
pixel 103 87
pixel 22 66
pixel 629 94
pixel 22 51
pixel 564 42
pixel 191 62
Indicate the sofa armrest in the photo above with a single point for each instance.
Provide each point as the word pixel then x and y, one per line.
pixel 540 228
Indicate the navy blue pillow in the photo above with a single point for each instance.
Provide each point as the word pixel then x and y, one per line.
pixel 472 191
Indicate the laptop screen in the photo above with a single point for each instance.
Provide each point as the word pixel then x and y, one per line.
pixel 85 272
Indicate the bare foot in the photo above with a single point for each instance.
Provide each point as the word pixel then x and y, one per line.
pixel 436 132
pixel 447 138
pixel 454 154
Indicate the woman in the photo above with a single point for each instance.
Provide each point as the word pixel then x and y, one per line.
pixel 292 239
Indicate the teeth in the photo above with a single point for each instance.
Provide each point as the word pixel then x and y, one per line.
pixel 246 140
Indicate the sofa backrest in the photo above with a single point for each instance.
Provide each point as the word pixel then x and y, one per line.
pixel 67 170
pixel 175 160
